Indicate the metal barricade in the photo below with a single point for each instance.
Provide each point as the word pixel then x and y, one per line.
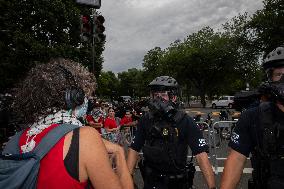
pixel 126 134
pixel 220 125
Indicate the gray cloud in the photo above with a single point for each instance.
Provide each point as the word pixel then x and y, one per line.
pixel 133 27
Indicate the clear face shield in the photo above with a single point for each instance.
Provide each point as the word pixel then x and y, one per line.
pixel 165 94
pixel 160 94
pixel 275 73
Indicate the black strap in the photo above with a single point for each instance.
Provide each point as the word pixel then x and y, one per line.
pixel 267 124
pixel 71 160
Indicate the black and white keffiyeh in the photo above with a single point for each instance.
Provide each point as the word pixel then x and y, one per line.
pixel 59 117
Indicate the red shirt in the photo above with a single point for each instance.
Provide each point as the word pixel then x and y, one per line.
pixel 110 123
pixel 52 172
pixel 90 118
pixel 125 120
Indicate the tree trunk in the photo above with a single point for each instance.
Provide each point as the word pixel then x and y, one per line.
pixel 203 101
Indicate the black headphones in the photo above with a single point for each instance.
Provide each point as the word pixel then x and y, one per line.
pixel 74 96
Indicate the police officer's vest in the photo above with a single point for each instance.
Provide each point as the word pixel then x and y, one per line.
pixel 164 149
pixel 270 150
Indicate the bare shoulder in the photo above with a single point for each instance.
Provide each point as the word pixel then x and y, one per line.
pixel 87 130
pixel 90 143
pixel 89 135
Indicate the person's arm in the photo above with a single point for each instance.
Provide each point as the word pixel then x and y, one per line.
pixel 107 125
pixel 132 158
pixel 111 130
pixel 241 144
pixel 94 160
pixel 233 170
pixel 95 125
pixel 120 162
pixel 206 168
pixel 137 144
pixel 92 122
pixel 199 148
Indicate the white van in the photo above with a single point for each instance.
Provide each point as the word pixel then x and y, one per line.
pixel 224 101
pixel 126 98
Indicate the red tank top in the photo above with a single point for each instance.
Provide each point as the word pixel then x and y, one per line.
pixel 52 172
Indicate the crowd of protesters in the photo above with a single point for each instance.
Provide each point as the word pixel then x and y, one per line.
pixel 112 119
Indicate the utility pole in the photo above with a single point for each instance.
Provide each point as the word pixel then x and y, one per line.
pixel 93 41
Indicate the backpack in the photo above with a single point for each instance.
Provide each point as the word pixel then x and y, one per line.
pixel 21 170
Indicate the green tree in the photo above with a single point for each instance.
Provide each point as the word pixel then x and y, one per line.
pixel 248 68
pixel 107 85
pixel 268 25
pixel 151 63
pixel 34 31
pixel 132 83
pixel 203 61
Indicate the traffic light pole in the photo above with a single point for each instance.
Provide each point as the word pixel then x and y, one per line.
pixel 93 43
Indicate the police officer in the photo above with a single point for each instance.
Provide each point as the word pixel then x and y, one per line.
pixel 260 131
pixel 164 135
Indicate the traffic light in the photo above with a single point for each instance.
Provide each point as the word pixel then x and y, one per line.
pixel 86 27
pixel 98 29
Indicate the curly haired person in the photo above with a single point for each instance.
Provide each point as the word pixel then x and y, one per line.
pixel 56 93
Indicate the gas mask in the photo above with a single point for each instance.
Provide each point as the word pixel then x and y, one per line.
pixel 162 108
pixel 277 89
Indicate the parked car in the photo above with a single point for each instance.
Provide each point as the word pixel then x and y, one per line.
pixel 224 101
pixel 125 98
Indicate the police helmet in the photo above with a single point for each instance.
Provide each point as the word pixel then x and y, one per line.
pixel 164 83
pixel 274 59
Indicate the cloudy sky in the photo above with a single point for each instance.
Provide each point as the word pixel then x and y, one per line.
pixel 133 27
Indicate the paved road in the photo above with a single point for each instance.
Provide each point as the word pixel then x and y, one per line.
pixel 216 160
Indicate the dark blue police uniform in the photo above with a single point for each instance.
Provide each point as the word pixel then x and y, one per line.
pixel 188 135
pixel 249 137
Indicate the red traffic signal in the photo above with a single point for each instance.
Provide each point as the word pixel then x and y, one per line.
pixel 86 26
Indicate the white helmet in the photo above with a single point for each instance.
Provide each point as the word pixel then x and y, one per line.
pixel 164 83
pixel 274 59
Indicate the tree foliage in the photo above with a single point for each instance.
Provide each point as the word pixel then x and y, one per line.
pixel 33 31
pixel 132 83
pixel 268 25
pixel 107 85
pixel 206 62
